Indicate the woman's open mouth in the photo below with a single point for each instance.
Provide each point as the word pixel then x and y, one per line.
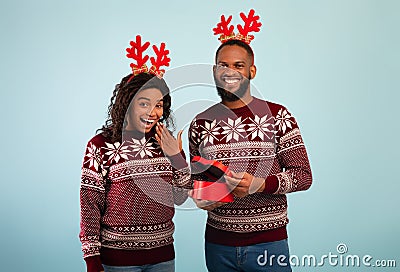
pixel 147 122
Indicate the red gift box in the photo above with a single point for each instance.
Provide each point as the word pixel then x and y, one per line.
pixel 214 191
pixel 216 188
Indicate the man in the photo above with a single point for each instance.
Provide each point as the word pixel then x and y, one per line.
pixel 261 144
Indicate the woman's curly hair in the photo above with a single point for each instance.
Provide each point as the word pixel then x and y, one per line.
pixel 122 96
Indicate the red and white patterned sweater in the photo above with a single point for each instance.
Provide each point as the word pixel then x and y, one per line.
pixel 127 199
pixel 264 140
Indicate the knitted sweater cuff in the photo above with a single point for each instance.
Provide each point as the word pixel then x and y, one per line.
pixel 271 184
pixel 93 264
pixel 178 161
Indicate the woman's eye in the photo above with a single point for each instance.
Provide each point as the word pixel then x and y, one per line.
pixel 142 104
pixel 159 106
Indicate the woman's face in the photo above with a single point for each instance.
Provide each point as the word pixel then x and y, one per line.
pixel 145 111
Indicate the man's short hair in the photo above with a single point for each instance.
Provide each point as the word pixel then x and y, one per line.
pixel 238 43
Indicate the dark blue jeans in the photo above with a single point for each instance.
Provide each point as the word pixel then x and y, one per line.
pixel 270 257
pixel 168 266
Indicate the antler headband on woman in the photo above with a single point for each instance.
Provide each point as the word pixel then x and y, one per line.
pixel 251 24
pixel 136 52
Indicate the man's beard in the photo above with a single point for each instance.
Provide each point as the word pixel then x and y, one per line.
pixel 233 96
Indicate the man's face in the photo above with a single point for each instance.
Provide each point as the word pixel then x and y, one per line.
pixel 232 72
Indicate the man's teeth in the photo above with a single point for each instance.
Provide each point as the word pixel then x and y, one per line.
pixel 230 81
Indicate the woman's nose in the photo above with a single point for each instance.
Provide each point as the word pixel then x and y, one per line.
pixel 151 111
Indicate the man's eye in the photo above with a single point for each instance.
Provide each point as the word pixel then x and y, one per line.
pixel 239 66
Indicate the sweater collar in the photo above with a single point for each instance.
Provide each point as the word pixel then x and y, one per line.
pixel 134 134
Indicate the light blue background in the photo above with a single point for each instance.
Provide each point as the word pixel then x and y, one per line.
pixel 334 64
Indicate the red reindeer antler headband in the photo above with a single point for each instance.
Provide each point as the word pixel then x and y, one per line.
pixel 251 24
pixel 136 52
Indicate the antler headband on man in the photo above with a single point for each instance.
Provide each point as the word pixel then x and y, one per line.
pixel 251 24
pixel 136 52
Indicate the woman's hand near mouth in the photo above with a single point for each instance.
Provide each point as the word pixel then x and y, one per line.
pixel 167 141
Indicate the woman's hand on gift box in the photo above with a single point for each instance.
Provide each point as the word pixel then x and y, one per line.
pixel 207 205
pixel 242 184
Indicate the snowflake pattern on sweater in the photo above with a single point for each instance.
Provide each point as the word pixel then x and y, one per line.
pixel 264 140
pixel 127 194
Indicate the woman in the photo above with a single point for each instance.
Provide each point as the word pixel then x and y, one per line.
pixel 133 172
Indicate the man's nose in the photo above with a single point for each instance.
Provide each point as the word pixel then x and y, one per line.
pixel 230 71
